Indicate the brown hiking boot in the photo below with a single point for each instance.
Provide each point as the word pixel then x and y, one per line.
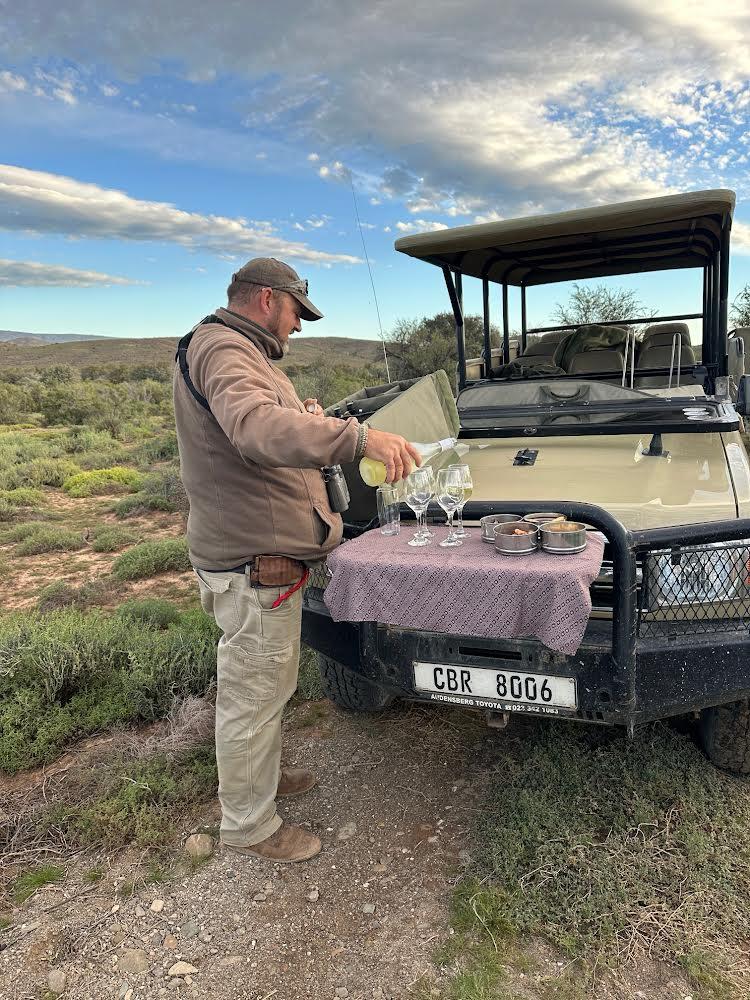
pixel 294 781
pixel 287 844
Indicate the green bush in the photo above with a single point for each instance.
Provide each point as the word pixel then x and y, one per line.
pixel 150 610
pixel 110 538
pixel 102 481
pixel 160 449
pixel 139 801
pixel 7 510
pixel 150 558
pixel 22 496
pixel 38 472
pixel 48 538
pixel 139 503
pixel 80 440
pixel 66 674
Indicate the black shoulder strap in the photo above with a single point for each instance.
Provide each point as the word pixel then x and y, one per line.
pixel 181 358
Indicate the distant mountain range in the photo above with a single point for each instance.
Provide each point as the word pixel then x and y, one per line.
pixel 18 337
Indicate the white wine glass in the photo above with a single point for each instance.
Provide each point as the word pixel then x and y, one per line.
pixel 419 490
pixel 430 473
pixel 468 484
pixel 449 494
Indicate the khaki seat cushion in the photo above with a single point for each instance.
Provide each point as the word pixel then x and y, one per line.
pixel 661 334
pixel 595 361
pixel 661 357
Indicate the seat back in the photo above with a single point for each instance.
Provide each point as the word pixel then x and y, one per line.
pixel 589 362
pixel 661 357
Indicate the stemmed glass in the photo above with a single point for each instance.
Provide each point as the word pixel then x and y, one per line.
pixel 419 492
pixel 450 494
pixel 468 484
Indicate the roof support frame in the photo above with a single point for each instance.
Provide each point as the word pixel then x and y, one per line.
pixel 486 320
pixel 454 284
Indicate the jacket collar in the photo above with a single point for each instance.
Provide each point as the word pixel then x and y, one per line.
pixel 262 338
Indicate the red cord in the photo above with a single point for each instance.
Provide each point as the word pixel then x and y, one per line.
pixel 300 583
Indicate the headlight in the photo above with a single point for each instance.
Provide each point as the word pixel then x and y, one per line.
pixel 706 574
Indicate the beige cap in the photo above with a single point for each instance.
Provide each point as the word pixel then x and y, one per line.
pixel 271 273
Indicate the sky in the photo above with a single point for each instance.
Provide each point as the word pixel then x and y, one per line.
pixel 150 148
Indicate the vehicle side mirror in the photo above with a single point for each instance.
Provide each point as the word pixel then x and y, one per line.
pixel 742 406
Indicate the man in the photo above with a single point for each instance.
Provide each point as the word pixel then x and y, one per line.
pixel 251 455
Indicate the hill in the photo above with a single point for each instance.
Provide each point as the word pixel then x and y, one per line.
pixel 18 336
pixel 160 350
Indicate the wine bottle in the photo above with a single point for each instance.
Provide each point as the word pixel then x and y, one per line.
pixel 373 471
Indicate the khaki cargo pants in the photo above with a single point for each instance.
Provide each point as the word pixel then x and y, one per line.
pixel 257 665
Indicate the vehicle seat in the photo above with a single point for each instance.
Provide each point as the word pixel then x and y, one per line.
pixel 588 362
pixel 661 357
pixel 662 334
pixel 550 346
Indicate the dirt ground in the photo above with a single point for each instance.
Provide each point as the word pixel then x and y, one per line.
pixel 394 807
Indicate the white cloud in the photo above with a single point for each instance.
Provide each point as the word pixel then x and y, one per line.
pixel 741 237
pixel 448 121
pixel 10 82
pixel 36 202
pixel 109 90
pixel 18 273
pixel 420 226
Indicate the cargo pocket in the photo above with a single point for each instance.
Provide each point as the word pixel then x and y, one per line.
pixel 253 675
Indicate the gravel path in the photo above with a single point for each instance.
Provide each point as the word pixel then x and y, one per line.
pixel 394 808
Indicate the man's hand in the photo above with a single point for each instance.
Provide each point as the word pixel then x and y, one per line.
pixel 395 452
pixel 312 406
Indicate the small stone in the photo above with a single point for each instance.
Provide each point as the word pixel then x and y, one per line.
pixel 157 906
pixel 259 897
pixel 175 984
pixel 181 969
pixel 346 832
pixel 188 980
pixel 57 981
pixel 128 995
pixel 189 929
pixel 134 961
pixel 170 942
pixel 342 991
pixel 139 911
pixel 199 846
pixel 368 908
pixel 232 960
pixel 313 895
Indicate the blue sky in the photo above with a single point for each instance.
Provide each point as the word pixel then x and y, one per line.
pixel 149 149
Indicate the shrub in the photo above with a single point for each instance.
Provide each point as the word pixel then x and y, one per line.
pixel 149 558
pixel 160 449
pixel 138 503
pixel 38 472
pixel 67 674
pixel 152 611
pixel 110 538
pixel 102 481
pixel 22 496
pixel 80 440
pixel 57 594
pixel 7 510
pixel 49 538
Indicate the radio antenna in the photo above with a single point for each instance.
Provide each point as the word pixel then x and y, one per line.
pixel 372 282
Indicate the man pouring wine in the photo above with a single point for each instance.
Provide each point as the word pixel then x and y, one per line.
pixel 251 454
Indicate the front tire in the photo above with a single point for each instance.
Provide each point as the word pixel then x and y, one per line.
pixel 725 735
pixel 349 690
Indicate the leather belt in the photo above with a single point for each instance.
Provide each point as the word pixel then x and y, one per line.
pixel 268 571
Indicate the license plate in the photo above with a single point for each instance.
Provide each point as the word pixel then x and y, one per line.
pixel 479 685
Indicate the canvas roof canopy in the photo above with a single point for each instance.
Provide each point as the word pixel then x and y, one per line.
pixel 652 234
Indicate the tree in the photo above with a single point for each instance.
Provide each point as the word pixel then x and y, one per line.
pixel 419 346
pixel 740 314
pixel 598 304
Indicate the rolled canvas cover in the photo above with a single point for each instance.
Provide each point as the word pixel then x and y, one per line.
pixel 423 411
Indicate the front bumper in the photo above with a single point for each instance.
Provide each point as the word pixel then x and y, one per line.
pixel 631 667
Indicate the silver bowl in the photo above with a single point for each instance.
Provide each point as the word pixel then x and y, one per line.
pixel 563 537
pixel 540 519
pixel 488 525
pixel 510 544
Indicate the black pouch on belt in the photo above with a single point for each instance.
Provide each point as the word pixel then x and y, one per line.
pixel 338 491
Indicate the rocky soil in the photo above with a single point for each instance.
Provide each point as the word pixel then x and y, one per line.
pixel 394 807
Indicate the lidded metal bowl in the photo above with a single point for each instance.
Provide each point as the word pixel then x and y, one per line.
pixel 512 544
pixel 489 522
pixel 540 519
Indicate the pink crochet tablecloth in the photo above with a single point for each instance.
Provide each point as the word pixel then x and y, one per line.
pixel 467 590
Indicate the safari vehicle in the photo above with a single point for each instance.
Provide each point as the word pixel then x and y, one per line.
pixel 627 426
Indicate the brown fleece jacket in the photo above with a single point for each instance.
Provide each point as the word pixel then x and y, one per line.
pixel 251 467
